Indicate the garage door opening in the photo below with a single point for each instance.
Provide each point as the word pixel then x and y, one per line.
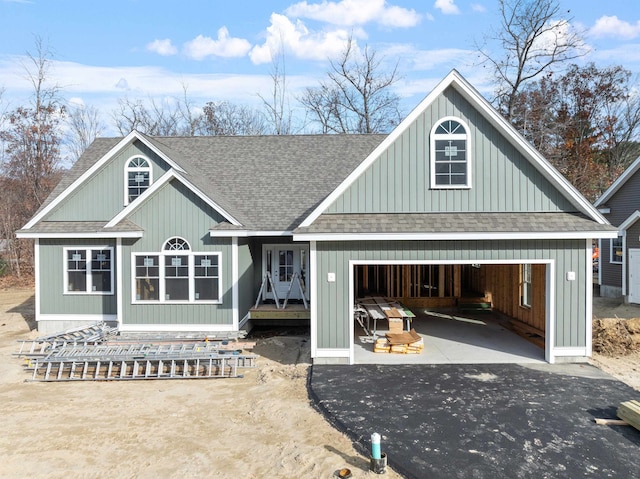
pixel 464 313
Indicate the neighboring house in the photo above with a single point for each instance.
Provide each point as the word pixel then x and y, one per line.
pixel 619 265
pixel 176 234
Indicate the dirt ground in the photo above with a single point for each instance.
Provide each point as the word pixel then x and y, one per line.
pixel 259 426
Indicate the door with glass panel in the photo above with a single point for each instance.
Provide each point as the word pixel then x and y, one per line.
pixel 283 262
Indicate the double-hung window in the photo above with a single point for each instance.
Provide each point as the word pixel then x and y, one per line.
pixel 137 178
pixel 88 270
pixel 450 156
pixel 177 274
pixel 617 252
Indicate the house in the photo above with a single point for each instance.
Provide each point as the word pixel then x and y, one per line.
pixel 619 261
pixel 177 234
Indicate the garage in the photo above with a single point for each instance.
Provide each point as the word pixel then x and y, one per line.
pixel 463 312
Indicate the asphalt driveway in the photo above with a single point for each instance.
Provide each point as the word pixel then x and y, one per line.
pixel 483 421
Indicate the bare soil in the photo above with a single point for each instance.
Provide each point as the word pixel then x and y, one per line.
pixel 259 426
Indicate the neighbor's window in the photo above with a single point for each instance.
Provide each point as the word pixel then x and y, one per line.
pixel 176 274
pixel 450 161
pixel 617 253
pixel 525 285
pixel 88 270
pixel 138 178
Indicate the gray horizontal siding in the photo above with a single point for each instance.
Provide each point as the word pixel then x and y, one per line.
pixel 502 179
pixel 101 197
pixel 333 298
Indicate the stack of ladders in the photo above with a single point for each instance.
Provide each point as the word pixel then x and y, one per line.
pixel 402 343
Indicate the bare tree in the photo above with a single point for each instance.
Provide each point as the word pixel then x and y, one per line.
pixel 30 163
pixel 534 37
pixel 84 126
pixel 225 118
pixel 278 110
pixel 357 96
pixel 153 117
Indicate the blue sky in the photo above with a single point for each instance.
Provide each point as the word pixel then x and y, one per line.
pixel 220 49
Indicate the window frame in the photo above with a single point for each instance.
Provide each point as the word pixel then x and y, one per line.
pixel 128 169
pixel 526 285
pixel 612 249
pixel 433 137
pixel 163 255
pixel 89 270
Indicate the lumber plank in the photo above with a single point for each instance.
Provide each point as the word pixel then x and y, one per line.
pixel 611 422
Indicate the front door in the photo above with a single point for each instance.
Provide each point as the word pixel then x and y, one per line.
pixel 282 262
pixel 634 276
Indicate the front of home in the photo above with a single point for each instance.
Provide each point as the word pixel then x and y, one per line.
pixel 196 234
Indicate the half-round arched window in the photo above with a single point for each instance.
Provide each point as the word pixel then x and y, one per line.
pixel 138 177
pixel 450 154
pixel 176 244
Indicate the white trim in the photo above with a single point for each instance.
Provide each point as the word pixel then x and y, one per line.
pixel 333 353
pixel 127 169
pixel 119 282
pixel 624 263
pixel 455 80
pixel 89 271
pixel 589 298
pixel 98 235
pixel 235 306
pixel 161 277
pixel 78 317
pixel 451 236
pixel 36 261
pixel 313 300
pixel 432 151
pixel 621 180
pixel 246 233
pixel 164 179
pixel 572 352
pixel 550 319
pixel 209 328
pixel 130 138
pixel 626 224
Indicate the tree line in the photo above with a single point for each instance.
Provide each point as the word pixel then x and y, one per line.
pixel 584 119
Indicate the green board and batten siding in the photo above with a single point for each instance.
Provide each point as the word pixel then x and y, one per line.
pixel 174 210
pixel 333 257
pixel 101 197
pixel 53 299
pixel 502 179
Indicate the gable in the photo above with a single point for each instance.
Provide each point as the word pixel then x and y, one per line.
pixel 101 196
pixel 502 179
pixel 174 210
pixel 624 201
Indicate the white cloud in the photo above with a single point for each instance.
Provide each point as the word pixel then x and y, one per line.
pixel 606 26
pixel 162 47
pixel 225 46
pixel 355 12
pixel 476 7
pixel 298 40
pixel 448 7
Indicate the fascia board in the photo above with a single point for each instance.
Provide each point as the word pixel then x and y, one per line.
pixel 452 236
pixel 626 224
pixel 621 180
pixel 164 179
pixel 160 153
pixel 246 233
pixel 101 235
pixel 82 178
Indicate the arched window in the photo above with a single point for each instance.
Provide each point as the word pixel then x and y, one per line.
pixel 450 155
pixel 138 177
pixel 176 274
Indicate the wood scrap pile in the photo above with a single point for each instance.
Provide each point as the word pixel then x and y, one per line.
pixel 400 343
pixel 629 411
pixel 615 336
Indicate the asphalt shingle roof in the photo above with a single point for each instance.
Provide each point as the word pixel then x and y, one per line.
pixel 552 222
